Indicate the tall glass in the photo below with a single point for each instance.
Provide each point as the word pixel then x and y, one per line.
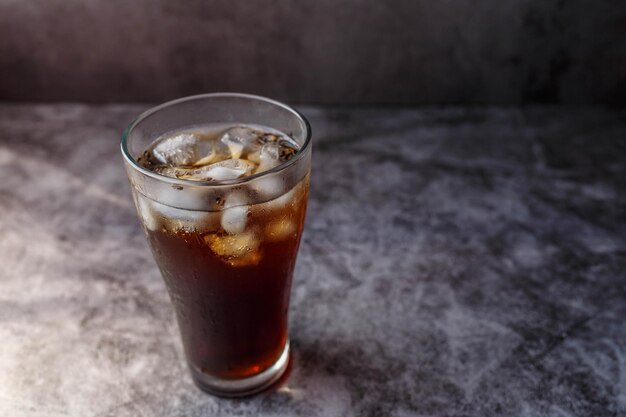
pixel 230 290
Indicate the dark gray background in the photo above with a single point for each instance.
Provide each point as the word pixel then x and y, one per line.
pixel 323 51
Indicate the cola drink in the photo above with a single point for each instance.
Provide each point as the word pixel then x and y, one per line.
pixel 227 253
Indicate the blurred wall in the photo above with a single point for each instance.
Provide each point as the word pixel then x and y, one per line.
pixel 324 51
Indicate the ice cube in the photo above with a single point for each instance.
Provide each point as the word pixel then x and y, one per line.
pixel 269 157
pixel 232 246
pixel 234 219
pixel 236 198
pixel 187 149
pixel 210 157
pixel 291 197
pixel 211 151
pixel 190 220
pixel 249 259
pixel 280 229
pixel 177 150
pixel 247 141
pixel 239 138
pixel 282 201
pixel 156 215
pixel 229 169
pixel 172 172
pixel 268 187
pixel 235 213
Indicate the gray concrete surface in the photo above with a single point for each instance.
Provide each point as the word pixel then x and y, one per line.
pixel 325 51
pixel 454 263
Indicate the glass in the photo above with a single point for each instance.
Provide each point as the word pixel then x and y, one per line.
pixel 230 292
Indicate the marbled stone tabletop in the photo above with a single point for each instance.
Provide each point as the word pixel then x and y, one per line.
pixel 454 263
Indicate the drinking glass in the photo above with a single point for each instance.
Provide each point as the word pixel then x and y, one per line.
pixel 230 291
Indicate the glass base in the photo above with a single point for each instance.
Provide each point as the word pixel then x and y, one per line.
pixel 245 386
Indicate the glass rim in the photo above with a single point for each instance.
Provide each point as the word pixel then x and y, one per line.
pixel 179 181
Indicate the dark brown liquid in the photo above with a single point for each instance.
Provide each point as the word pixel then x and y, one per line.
pixel 232 311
